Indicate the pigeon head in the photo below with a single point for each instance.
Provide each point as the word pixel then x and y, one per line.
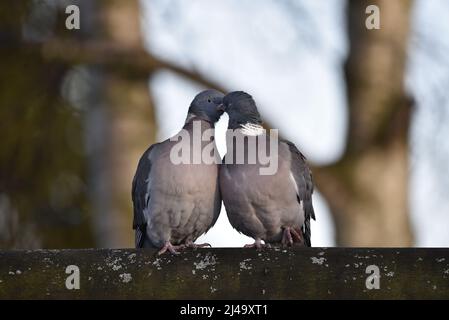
pixel 205 106
pixel 242 110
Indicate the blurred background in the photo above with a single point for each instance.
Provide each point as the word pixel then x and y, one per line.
pixel 369 109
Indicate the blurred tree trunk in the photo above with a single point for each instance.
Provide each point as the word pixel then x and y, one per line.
pixel 367 189
pixel 129 127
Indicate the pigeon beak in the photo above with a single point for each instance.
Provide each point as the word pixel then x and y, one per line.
pixel 221 107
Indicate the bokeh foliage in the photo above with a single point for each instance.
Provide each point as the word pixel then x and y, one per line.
pixel 42 159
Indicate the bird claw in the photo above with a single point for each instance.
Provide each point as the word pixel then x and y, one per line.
pixel 290 236
pixel 171 248
pixel 296 235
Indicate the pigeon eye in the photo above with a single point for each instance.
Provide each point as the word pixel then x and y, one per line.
pixel 208 100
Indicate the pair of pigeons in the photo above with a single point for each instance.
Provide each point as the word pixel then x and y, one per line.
pixel 174 204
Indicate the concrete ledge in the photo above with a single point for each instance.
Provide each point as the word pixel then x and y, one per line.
pixel 224 273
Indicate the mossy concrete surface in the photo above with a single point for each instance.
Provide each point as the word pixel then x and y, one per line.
pixel 225 273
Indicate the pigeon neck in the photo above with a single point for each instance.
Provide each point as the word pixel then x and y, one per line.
pixel 191 118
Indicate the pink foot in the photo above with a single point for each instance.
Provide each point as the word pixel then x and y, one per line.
pixel 290 236
pixel 296 235
pixel 171 248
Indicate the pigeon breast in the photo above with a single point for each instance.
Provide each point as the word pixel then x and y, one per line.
pixel 182 201
pixel 258 205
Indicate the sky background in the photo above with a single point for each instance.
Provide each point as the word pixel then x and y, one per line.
pixel 289 56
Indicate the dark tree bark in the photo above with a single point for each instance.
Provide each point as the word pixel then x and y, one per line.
pixel 129 123
pixel 42 172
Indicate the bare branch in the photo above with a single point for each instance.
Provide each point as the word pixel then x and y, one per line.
pixel 134 63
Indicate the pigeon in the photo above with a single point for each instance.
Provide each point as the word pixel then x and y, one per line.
pixel 175 202
pixel 275 207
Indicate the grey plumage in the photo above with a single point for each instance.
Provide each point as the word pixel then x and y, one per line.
pixel 274 208
pixel 174 204
pixel 304 182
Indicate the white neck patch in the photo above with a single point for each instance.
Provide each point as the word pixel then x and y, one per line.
pixel 251 129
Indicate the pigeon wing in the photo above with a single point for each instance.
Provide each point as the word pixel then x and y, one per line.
pixel 304 182
pixel 141 195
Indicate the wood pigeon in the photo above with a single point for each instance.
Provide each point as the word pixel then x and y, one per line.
pixel 175 202
pixel 274 207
